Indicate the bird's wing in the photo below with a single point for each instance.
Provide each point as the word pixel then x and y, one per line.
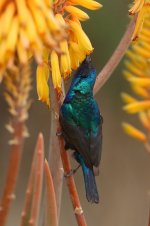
pixel 96 136
pixel 96 143
pixel 75 136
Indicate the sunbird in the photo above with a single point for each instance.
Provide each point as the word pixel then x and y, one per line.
pixel 81 124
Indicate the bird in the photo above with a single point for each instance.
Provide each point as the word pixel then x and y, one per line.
pixel 81 125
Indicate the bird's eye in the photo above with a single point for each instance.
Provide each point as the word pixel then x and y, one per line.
pixel 84 74
pixel 77 92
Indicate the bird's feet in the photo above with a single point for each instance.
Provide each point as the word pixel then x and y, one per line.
pixel 72 172
pixel 59 133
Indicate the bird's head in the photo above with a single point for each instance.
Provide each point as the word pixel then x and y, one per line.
pixel 83 80
pixel 84 77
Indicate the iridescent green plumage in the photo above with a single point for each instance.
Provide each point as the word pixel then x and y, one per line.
pixel 82 125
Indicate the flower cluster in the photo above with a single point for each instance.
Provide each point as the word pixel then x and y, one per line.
pixel 137 74
pixel 26 27
pixel 48 30
pixel 139 7
pixel 73 50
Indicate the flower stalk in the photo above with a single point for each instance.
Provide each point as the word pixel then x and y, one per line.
pixel 51 213
pixel 54 158
pixel 29 192
pixel 38 180
pixel 16 80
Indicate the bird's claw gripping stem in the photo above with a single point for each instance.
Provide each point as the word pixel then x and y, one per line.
pixel 59 133
pixel 72 172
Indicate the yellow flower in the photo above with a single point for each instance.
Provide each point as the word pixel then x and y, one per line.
pixel 76 55
pixel 139 81
pixel 56 76
pixel 137 6
pixel 42 86
pixel 144 118
pixel 142 8
pixel 77 46
pixel 65 59
pixel 134 132
pixel 140 91
pixel 28 28
pixel 137 73
pixel 74 11
pixel 128 99
pixel 137 106
pixel 139 23
pixel 82 39
pixel 89 4
pixel 25 29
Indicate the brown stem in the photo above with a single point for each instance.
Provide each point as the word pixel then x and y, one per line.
pixel 28 198
pixel 12 173
pixel 18 84
pixel 51 214
pixel 70 180
pixel 113 62
pixel 55 162
pixel 149 219
pixel 38 182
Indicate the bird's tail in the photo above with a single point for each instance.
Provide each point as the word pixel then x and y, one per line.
pixel 89 179
pixel 90 185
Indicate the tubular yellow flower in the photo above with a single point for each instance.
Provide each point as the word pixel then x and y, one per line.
pixel 65 59
pixel 128 99
pixel 143 50
pixel 137 6
pixel 89 4
pixel 140 7
pixel 81 15
pixel 133 69
pixel 137 72
pixel 56 76
pixel 138 106
pixel 83 40
pixel 27 23
pixel 38 19
pixel 28 28
pixel 22 54
pixel 11 40
pixel 76 55
pixel 139 81
pixel 134 132
pixel 42 85
pixel 6 19
pixel 145 120
pixel 140 91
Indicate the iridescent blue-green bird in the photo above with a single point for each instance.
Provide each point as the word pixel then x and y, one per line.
pixel 81 124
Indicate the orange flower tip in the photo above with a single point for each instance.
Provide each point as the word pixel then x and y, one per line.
pixel 134 38
pixel 134 132
pixel 130 13
pixel 47 102
pixel 90 51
